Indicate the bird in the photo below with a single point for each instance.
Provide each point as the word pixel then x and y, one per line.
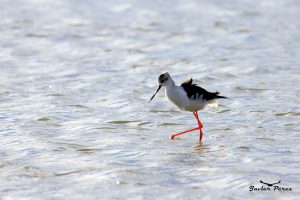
pixel 270 184
pixel 188 97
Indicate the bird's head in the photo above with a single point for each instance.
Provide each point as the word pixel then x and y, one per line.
pixel 163 80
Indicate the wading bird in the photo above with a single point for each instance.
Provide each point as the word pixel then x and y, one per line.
pixel 188 97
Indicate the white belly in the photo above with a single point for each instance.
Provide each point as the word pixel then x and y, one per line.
pixel 178 96
pixel 196 105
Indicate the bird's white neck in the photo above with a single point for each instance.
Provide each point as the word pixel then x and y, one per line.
pixel 170 83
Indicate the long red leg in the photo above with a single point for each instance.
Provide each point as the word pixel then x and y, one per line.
pixel 175 135
pixel 198 120
pixel 200 125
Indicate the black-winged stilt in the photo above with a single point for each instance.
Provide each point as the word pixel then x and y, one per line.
pixel 188 97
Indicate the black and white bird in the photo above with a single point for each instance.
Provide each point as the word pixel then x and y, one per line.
pixel 188 97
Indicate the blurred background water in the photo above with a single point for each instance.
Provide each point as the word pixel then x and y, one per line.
pixel 76 77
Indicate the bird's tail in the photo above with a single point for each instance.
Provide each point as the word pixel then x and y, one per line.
pixel 220 97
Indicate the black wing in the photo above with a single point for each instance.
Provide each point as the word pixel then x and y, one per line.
pixel 192 90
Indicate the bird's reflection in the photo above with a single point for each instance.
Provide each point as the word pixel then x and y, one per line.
pixel 201 148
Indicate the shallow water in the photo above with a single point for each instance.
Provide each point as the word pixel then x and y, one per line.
pixel 76 78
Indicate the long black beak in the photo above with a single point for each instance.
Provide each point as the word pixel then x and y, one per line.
pixel 155 93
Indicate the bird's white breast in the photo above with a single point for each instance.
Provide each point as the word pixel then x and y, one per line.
pixel 177 96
